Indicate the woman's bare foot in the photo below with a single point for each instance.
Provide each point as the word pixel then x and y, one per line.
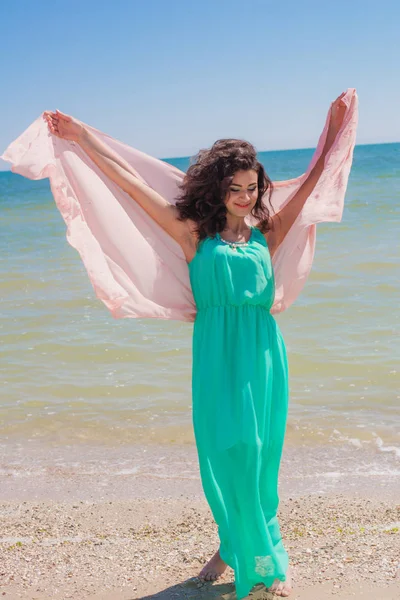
pixel 213 569
pixel 282 588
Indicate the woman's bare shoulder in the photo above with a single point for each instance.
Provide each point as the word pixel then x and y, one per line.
pixel 190 239
pixel 270 237
pixel 192 229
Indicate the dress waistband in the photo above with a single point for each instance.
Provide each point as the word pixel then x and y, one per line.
pixel 214 306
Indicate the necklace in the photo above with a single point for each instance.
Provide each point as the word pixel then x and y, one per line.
pixel 234 245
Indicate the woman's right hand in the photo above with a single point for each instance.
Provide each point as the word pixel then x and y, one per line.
pixel 64 126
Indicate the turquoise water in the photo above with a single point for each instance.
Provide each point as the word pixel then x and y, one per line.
pixel 70 373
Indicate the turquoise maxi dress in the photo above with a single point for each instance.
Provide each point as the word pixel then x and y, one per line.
pixel 240 402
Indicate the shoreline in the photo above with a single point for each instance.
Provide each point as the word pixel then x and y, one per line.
pixel 35 471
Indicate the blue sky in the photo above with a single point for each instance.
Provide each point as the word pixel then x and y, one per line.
pixel 172 76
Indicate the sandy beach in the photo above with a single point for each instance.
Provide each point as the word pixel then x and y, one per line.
pixel 339 546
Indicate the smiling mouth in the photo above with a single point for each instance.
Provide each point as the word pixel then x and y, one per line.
pixel 243 205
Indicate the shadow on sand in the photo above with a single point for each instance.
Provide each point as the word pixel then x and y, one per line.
pixel 195 589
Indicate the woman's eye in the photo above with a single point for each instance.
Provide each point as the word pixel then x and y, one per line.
pixel 252 190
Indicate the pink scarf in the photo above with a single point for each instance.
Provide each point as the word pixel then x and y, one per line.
pixel 136 268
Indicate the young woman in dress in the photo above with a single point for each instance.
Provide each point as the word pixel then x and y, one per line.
pixel 240 386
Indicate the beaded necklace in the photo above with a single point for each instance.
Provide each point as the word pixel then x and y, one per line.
pixel 234 245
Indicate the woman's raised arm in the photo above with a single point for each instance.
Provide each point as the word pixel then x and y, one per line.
pixel 284 219
pixel 117 169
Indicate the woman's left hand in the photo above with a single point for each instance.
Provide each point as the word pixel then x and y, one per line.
pixel 338 110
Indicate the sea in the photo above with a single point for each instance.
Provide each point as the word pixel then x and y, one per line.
pixel 84 393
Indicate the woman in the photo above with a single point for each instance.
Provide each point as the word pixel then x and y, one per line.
pixel 240 371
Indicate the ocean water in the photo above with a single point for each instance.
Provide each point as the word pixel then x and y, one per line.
pixel 71 375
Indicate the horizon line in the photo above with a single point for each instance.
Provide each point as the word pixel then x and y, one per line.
pixel 258 152
pixel 289 149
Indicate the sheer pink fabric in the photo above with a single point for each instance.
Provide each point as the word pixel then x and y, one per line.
pixel 136 268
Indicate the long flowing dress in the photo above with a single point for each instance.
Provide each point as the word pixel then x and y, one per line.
pixel 240 402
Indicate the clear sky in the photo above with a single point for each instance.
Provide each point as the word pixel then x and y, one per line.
pixel 171 76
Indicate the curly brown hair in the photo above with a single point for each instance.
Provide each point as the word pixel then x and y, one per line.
pixel 207 180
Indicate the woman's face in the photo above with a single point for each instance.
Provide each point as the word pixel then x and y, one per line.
pixel 242 193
